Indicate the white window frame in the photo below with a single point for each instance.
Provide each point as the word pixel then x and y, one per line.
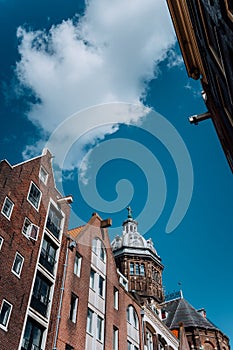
pixel 115 338
pixel 30 227
pixel 99 328
pixel 33 184
pixel 21 265
pixel 4 327
pixel 103 286
pixel 90 321
pixel 92 280
pixel 75 308
pixel 77 264
pixel 1 242
pixel 44 177
pixel 116 298
pixel 11 208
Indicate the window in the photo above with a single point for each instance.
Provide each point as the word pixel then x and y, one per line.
pixel 137 269
pixel 92 279
pixel 131 268
pixel 100 328
pixel 99 249
pixel 54 221
pixel 1 242
pixel 48 254
pixel 115 338
pixel 7 208
pixel 32 336
pixel 43 175
pixel 77 264
pixel 34 195
pixel 142 270
pixel 40 297
pixel 116 298
pixel 89 320
pixel 69 347
pixel 132 317
pixel 101 286
pixel 73 307
pixel 5 313
pixel 18 264
pixel 30 230
pixel 129 345
pixel 149 340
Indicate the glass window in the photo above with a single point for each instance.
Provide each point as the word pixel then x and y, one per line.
pixel 30 230
pixel 102 252
pixel 41 291
pixel 129 345
pixel 32 336
pixel 89 320
pixel 137 271
pixel 99 249
pixel 116 297
pixel 115 338
pixel 18 264
pixel 92 279
pixel 54 220
pixel 101 286
pixel 142 270
pixel 77 264
pixel 132 317
pixel 34 195
pixel 131 268
pixel 73 307
pixel 69 347
pixel 43 175
pixel 100 328
pixel 7 207
pixel 149 340
pixel 48 254
pixel 1 242
pixel 5 313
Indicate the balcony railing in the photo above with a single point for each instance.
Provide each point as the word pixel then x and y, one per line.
pixel 28 345
pixel 47 260
pixel 53 228
pixel 40 303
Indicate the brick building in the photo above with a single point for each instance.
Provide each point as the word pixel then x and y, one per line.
pixel 74 290
pixel 204 30
pixel 32 219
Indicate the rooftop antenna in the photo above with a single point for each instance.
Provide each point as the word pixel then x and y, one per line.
pixel 181 292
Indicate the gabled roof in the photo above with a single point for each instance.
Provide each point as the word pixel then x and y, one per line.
pixel 179 310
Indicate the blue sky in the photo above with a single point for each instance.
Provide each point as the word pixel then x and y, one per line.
pixel 104 55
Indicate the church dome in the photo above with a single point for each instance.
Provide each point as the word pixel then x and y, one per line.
pixel 131 237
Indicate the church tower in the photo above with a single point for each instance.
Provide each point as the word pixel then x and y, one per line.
pixel 137 259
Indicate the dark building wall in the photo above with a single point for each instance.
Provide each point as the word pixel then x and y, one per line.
pixel 74 334
pixel 15 183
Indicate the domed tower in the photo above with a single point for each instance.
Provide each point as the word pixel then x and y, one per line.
pixel 137 259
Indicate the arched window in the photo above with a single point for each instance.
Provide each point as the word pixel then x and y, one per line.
pixel 132 316
pixel 149 340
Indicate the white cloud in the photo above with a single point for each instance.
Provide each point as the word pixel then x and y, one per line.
pixel 108 55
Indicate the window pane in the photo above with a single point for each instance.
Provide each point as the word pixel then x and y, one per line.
pixel 137 269
pixel 34 195
pixel 116 296
pixel 7 207
pixel 73 307
pixel 131 268
pixel 5 313
pixel 92 279
pixel 18 262
pixel 77 264
pixel 99 328
pixel 89 320
pixel 115 338
pixel 101 286
pixel 1 242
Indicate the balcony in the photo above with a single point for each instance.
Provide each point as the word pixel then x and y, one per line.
pixel 53 228
pixel 40 303
pixel 28 345
pixel 47 260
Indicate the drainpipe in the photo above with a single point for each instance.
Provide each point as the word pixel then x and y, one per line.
pixel 61 297
pixel 143 328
